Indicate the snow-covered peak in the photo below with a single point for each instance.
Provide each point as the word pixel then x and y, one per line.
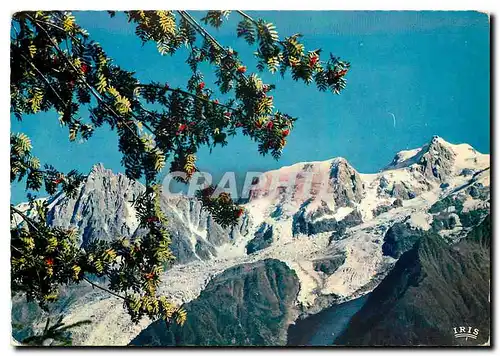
pixel 458 156
pixel 437 165
pixel 404 158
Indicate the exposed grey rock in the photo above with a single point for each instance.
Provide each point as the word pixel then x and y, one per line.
pixel 383 182
pixel 321 211
pixel 330 264
pixel 397 203
pixel 103 209
pixel 381 209
pixel 467 172
pixel 400 238
pixel 263 238
pixel 303 223
pixel 436 161
pixel 402 191
pixel 478 191
pixel 445 221
pixel 346 183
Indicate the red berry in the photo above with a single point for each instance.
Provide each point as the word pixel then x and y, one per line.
pixel 227 114
pixel 258 124
pixel 216 101
pixel 242 69
pixel 313 60
pixel 85 68
pixel 239 124
pixel 270 125
pixel 201 85
pixel 286 132
pixel 265 88
pixel 182 127
pixel 49 261
pixel 239 212
pixel 340 73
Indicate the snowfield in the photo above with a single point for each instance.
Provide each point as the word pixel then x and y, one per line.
pixel 361 244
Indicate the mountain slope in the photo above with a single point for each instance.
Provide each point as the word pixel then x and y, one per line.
pixel 104 210
pixel 433 288
pixel 250 304
pixel 340 241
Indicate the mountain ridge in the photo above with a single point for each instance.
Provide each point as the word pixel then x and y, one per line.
pixel 333 241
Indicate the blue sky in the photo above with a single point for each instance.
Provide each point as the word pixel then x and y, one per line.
pixel 431 69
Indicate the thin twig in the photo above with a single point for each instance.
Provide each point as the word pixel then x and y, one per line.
pixel 201 30
pixel 43 77
pixel 184 92
pixel 246 16
pixel 15 248
pixel 25 218
pixel 60 28
pixel 103 288
pixel 92 90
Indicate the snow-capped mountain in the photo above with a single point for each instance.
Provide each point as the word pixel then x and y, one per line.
pixel 340 231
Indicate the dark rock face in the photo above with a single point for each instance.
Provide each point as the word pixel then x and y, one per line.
pixel 263 238
pixel 381 209
pixel 449 212
pixel 397 203
pixel 444 205
pixel 321 211
pixel 329 265
pixel 246 305
pixel 467 172
pixel 436 161
pixel 433 288
pixel 304 224
pixel 402 191
pixel 322 328
pixel 478 191
pixel 445 221
pixel 323 225
pixel 346 183
pixel 400 238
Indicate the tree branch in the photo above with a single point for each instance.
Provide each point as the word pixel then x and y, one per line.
pixel 246 16
pixel 103 288
pixel 61 29
pixel 201 30
pixel 92 90
pixel 25 218
pixel 44 78
pixel 178 90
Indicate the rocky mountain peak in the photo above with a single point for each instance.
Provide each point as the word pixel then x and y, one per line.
pixel 348 188
pixel 339 241
pixel 436 159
